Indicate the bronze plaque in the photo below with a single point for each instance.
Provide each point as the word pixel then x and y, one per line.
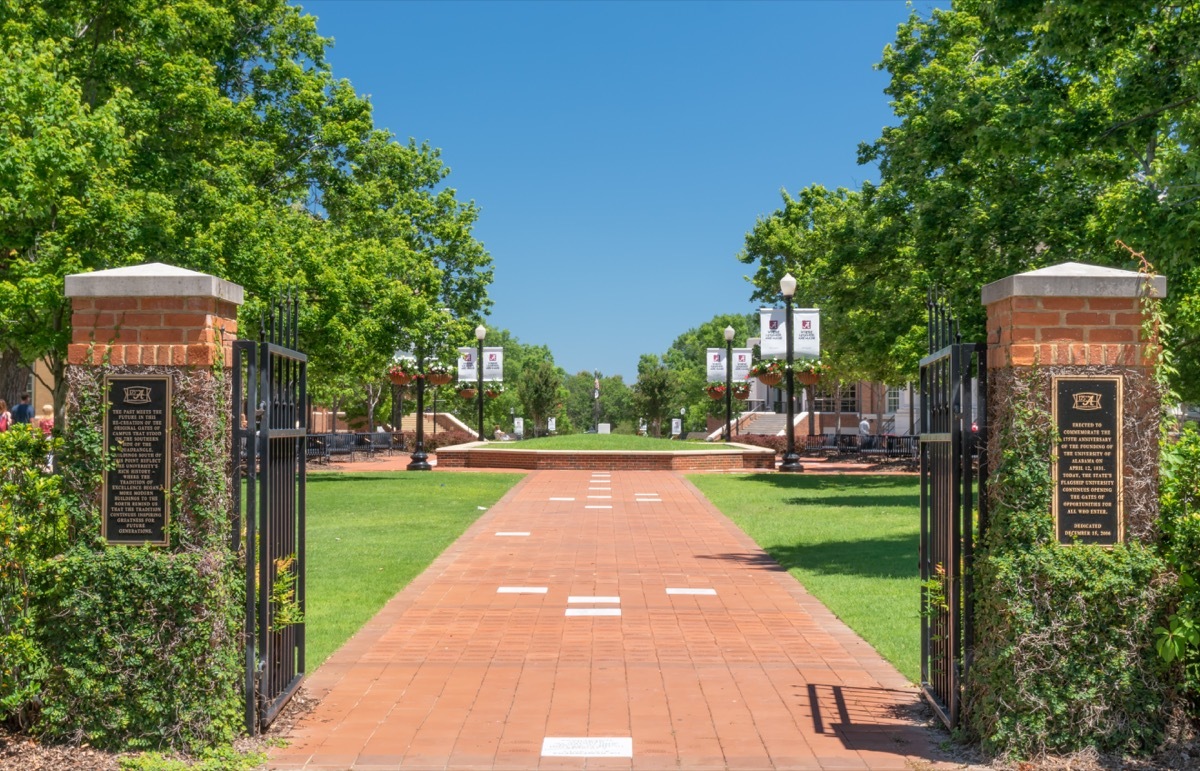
pixel 137 439
pixel 1088 505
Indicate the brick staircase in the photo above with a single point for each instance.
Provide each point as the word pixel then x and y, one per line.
pixel 766 424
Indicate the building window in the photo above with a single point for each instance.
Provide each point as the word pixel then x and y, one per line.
pixel 826 401
pixel 893 398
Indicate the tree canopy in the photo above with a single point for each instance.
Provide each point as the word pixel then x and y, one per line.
pixel 1027 133
pixel 213 135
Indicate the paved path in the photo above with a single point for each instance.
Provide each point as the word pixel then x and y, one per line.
pixel 492 656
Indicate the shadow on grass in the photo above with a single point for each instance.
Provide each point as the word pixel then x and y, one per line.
pixel 825 482
pixel 866 500
pixel 323 477
pixel 888 557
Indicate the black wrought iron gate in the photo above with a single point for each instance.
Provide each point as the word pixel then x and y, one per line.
pixel 270 422
pixel 953 505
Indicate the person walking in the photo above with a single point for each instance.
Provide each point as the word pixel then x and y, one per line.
pixel 5 416
pixel 46 421
pixel 864 434
pixel 23 412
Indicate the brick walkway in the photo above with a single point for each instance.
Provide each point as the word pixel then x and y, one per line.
pixel 455 673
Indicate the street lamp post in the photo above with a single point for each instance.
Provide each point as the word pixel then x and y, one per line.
pixel 420 460
pixel 791 461
pixel 728 382
pixel 480 333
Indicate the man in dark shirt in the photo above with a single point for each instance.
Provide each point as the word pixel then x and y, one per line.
pixel 23 412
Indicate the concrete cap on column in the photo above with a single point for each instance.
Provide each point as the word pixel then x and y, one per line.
pixel 152 280
pixel 1072 279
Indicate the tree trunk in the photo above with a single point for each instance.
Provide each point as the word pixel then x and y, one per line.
pixel 14 376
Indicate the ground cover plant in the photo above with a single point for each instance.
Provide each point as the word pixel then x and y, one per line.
pixel 369 535
pixel 609 442
pixel 850 540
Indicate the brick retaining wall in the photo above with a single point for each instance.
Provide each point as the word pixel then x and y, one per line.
pixel 475 456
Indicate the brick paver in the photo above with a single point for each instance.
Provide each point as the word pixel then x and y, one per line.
pixel 454 674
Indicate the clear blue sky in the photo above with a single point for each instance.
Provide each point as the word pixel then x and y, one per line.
pixel 620 151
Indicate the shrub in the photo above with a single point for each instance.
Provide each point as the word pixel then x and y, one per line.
pixel 776 443
pixel 33 528
pixel 1063 659
pixel 443 438
pixel 1177 637
pixel 141 648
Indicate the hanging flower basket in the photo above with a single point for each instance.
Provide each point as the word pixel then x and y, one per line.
pixel 715 390
pixel 741 391
pixel 403 372
pixel 467 393
pixel 492 393
pixel 437 374
pixel 769 372
pixel 809 371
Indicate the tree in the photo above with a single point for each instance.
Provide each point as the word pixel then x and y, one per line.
pixel 211 134
pixel 615 406
pixel 540 391
pixel 654 392
pixel 1026 134
pixel 687 360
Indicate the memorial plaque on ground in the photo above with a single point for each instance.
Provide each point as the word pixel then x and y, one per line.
pixel 137 437
pixel 1087 468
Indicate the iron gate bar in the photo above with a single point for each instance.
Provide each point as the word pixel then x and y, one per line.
pixel 270 430
pixel 953 381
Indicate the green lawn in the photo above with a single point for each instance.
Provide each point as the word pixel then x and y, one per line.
pixel 606 442
pixel 370 534
pixel 850 540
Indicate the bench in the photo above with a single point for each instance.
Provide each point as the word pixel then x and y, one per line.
pixel 340 445
pixel 316 448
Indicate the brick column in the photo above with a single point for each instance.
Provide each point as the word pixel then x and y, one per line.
pixel 152 315
pixel 1075 319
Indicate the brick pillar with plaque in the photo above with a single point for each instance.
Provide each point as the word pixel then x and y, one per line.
pixel 147 329
pixel 1066 579
pixel 1079 328
pixel 146 456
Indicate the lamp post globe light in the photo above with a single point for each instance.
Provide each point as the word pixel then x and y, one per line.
pixel 729 333
pixel 791 461
pixel 480 333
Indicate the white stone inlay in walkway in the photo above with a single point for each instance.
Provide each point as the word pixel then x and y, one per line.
pixel 587 747
pixel 689 590
pixel 562 499
pixel 593 611
pixel 597 507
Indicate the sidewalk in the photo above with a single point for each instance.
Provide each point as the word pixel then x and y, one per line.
pixel 595 620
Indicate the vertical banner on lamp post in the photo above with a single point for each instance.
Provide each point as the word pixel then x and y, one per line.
pixel 807 332
pixel 493 364
pixel 715 363
pixel 742 359
pixel 466 365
